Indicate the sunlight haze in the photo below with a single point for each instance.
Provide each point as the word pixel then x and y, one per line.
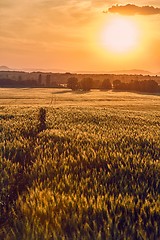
pixel 79 35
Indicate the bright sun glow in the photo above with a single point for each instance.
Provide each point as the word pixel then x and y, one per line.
pixel 120 35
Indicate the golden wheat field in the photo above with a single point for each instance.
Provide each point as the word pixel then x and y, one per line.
pixel 78 165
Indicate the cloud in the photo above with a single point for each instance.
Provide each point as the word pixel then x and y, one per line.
pixel 131 9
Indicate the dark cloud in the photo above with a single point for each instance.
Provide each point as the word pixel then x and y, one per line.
pixel 131 9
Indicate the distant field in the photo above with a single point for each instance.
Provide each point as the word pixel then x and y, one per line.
pixel 93 173
pixel 59 97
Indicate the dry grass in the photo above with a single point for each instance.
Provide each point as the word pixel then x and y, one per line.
pixel 94 173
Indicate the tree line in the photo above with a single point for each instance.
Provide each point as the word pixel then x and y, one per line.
pixel 137 86
pixel 86 84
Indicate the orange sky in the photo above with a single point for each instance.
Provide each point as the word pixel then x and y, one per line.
pixel 69 35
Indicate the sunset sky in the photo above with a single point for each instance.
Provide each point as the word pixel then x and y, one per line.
pixel 86 35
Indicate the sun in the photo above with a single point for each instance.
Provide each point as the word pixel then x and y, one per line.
pixel 120 35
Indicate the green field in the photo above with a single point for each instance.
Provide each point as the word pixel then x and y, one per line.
pixel 93 173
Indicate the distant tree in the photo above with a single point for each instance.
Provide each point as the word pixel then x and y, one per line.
pixel 86 84
pixel 40 79
pixel 19 78
pixel 135 85
pixel 151 86
pixel 106 84
pixel 117 84
pixel 72 83
pixel 48 80
pixel 144 86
